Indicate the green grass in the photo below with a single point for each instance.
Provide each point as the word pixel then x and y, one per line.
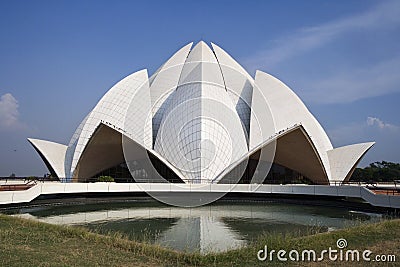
pixel 29 243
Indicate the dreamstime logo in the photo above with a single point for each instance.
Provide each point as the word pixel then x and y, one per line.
pixel 332 254
pixel 198 131
pixel 341 243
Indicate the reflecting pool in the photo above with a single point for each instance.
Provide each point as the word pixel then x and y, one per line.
pixel 217 227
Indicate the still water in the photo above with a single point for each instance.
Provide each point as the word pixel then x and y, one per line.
pixel 216 227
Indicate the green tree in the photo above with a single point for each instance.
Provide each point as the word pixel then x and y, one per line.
pixel 377 172
pixel 105 179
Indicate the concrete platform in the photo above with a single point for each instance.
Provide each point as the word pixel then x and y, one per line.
pixel 57 188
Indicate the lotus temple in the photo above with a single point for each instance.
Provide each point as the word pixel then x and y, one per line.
pixel 199 114
pixel 202 122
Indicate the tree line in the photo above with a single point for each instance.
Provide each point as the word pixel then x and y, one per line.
pixel 377 172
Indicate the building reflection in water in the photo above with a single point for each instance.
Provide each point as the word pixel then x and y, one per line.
pixel 211 228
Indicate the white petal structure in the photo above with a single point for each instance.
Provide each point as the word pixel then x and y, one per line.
pixel 343 160
pixel 53 154
pixel 201 133
pixel 111 111
pixel 163 84
pixel 288 110
pixel 239 85
pixel 197 117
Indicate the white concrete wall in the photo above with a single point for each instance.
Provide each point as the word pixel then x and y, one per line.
pixel 14 197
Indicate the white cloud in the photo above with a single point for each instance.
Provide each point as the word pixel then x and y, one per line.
pixel 348 86
pixel 344 84
pixel 372 121
pixel 374 129
pixel 305 39
pixel 362 131
pixel 9 115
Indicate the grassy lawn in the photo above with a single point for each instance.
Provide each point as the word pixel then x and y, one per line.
pixel 29 243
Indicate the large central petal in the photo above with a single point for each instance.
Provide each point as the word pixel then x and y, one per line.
pixel 201 133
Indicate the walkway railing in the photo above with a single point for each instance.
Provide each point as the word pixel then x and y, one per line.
pixel 55 188
pixel 15 187
pixel 31 179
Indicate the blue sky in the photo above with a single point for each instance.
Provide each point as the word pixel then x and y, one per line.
pixel 57 58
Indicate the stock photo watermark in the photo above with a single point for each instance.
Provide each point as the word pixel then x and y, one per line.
pixel 338 253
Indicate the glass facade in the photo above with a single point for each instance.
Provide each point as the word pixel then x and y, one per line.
pixel 122 174
pixel 277 175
